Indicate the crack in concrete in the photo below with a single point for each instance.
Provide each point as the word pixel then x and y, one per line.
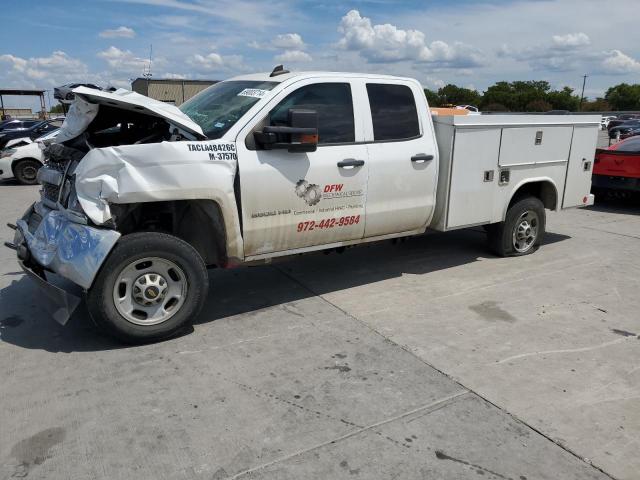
pixel 515 417
pixel 568 350
pixel 448 399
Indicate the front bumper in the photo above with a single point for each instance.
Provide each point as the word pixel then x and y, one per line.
pixel 49 241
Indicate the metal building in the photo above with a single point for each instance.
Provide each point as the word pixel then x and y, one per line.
pixel 169 90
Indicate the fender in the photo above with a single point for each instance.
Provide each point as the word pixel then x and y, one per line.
pixel 528 181
pixel 185 170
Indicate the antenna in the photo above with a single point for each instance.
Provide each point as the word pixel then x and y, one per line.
pixel 146 71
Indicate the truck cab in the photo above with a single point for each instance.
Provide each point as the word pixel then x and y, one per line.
pixel 139 198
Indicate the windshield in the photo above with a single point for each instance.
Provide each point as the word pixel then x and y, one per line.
pixel 220 106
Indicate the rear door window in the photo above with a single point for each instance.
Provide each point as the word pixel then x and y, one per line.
pixel 393 112
pixel 334 105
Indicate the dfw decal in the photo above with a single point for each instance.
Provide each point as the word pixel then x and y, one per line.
pixel 312 193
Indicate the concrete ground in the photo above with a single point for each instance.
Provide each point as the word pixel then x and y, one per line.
pixel 427 359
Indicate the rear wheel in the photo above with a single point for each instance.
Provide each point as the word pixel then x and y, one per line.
pixel 26 171
pixel 151 286
pixel 522 230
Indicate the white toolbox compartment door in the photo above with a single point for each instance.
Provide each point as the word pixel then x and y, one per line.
pixel 578 183
pixel 471 193
pixel 534 145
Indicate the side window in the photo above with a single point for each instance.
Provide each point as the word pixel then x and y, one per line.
pixel 334 105
pixel 393 111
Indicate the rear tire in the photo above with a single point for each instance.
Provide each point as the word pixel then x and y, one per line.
pixel 26 171
pixel 150 287
pixel 522 230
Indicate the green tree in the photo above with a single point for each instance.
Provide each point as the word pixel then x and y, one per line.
pixel 538 105
pixel 432 98
pixel 624 97
pixel 454 95
pixel 57 109
pixel 563 99
pixel 515 96
pixel 597 105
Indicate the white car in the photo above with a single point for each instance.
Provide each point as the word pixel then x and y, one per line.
pixel 22 158
pixel 604 123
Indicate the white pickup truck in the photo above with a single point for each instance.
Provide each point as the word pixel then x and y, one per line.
pixel 139 197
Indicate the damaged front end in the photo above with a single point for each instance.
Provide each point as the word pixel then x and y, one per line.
pixel 55 235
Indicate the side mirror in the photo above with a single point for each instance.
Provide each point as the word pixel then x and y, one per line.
pixel 301 134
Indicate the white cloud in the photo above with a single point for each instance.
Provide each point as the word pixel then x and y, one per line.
pixel 571 40
pixel 57 65
pixel 120 32
pixel 618 63
pixel 123 60
pixel 387 43
pixel 293 56
pixel 214 61
pixel 288 41
pixel 563 53
pixel 285 41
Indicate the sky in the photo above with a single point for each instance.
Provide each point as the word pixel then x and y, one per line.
pixel 471 43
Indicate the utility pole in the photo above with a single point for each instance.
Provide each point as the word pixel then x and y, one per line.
pixel 584 81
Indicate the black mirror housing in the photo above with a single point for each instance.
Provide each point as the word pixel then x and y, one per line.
pixel 301 135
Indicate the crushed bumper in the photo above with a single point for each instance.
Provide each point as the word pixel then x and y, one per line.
pixel 59 303
pixel 48 241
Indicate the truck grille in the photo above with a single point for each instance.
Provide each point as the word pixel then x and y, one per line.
pixel 51 176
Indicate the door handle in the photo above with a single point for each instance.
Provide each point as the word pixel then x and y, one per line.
pixel 421 158
pixel 350 163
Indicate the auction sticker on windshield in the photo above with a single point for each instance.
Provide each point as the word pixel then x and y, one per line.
pixel 253 92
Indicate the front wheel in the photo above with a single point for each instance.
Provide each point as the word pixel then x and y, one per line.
pixel 522 230
pixel 151 286
pixel 26 171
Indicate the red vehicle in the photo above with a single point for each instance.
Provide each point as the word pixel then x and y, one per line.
pixel 618 167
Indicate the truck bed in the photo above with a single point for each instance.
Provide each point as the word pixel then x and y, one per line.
pixel 484 159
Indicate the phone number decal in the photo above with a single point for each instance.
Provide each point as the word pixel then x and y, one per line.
pixel 328 223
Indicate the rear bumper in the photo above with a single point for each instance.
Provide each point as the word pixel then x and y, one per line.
pixel 47 241
pixel 608 182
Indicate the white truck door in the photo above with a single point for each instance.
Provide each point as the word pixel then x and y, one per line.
pixel 403 158
pixel 580 166
pixel 295 200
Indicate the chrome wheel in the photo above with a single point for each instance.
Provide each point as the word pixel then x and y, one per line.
pixel 149 291
pixel 525 232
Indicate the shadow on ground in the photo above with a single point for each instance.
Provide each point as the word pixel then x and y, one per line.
pixel 617 202
pixel 245 290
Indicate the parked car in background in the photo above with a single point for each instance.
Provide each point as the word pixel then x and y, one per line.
pixel 558 112
pixel 623 130
pixel 623 118
pixel 15 124
pixel 23 157
pixel 33 132
pixel 604 123
pixel 64 93
pixel 617 168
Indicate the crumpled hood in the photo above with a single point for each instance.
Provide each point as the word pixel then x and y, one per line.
pixel 88 100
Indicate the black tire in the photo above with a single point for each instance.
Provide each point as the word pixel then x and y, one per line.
pixel 136 247
pixel 501 235
pixel 26 170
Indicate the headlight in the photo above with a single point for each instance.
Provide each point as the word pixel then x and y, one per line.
pixel 7 152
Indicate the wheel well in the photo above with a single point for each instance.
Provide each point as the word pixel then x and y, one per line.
pixel 197 222
pixel 19 160
pixel 544 190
